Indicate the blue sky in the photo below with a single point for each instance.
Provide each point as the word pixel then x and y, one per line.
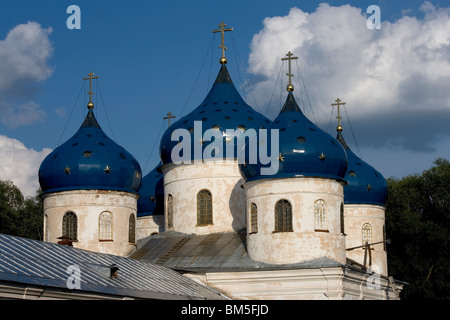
pixel 155 56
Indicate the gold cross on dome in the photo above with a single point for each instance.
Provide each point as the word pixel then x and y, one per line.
pixel 290 57
pixel 338 104
pixel 169 116
pixel 90 93
pixel 222 30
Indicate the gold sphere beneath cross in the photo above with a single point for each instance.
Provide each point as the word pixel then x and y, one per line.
pixel 223 60
pixel 339 129
pixel 90 106
pixel 290 88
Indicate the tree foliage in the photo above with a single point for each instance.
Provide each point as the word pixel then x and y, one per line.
pixel 418 223
pixel 20 216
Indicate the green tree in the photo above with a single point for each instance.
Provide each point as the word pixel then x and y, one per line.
pixel 20 216
pixel 418 223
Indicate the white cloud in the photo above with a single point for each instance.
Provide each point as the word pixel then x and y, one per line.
pixel 427 6
pixel 22 114
pixel 60 111
pixel 24 64
pixel 404 67
pixel 20 164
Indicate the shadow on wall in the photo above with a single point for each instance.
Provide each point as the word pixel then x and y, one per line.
pixel 237 206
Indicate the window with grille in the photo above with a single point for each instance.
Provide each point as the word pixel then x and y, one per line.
pixel 320 215
pixel 283 216
pixel 342 219
pixel 366 233
pixel 45 227
pixel 170 211
pixel 105 226
pixel 253 218
pixel 69 225
pixel 204 208
pixel 132 229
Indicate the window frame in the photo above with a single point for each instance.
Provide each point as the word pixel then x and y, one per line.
pixel 321 223
pixel 253 218
pixel 169 211
pixel 204 208
pixel 105 228
pixel 365 232
pixel 132 228
pixel 283 216
pixel 68 226
pixel 342 218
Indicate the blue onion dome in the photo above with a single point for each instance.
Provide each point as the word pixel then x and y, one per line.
pixel 304 148
pixel 365 184
pixel 151 200
pixel 90 160
pixel 222 109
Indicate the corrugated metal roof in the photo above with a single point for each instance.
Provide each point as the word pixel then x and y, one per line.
pixel 212 252
pixel 45 264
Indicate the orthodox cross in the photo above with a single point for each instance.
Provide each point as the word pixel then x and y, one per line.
pixel 289 87
pixel 169 116
pixel 222 30
pixel 338 104
pixel 90 93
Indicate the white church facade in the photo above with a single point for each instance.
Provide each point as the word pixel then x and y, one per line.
pixel 313 229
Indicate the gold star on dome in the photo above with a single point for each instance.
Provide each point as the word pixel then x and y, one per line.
pixel 242 127
pixel 216 127
pixel 301 139
pixel 107 169
pixel 67 170
pixel 280 157
pixel 322 157
pixel 352 173
pixel 369 187
pixel 87 154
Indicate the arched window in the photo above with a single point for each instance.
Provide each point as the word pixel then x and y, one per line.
pixel 132 229
pixel 366 233
pixel 342 219
pixel 69 225
pixel 253 218
pixel 320 215
pixel 204 208
pixel 169 211
pixel 45 227
pixel 283 216
pixel 105 226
